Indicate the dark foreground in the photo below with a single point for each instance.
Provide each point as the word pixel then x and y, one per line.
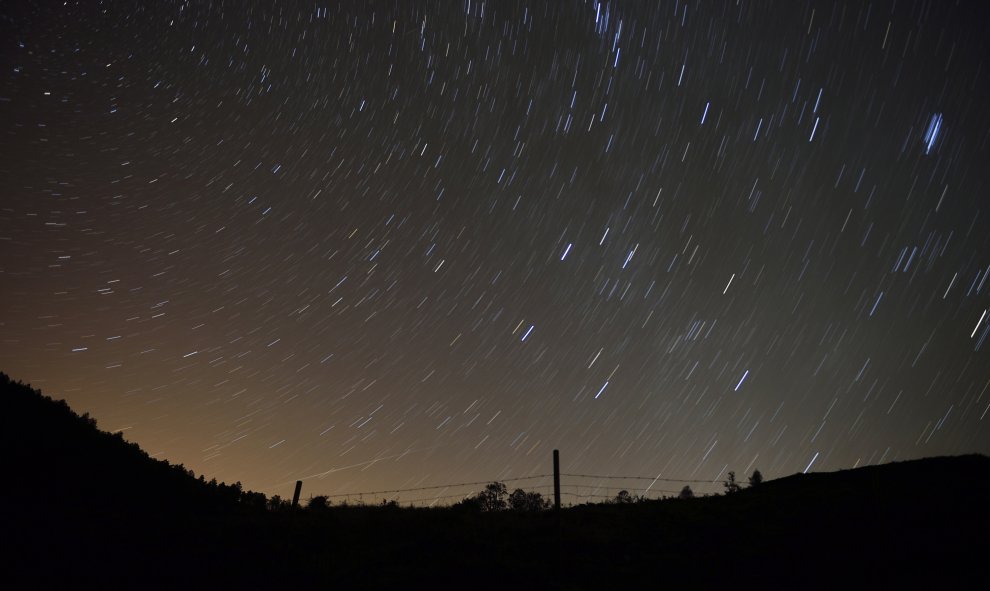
pixel 86 509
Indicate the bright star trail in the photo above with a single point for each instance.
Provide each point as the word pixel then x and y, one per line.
pixel 400 244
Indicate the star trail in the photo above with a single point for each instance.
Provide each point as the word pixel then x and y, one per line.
pixel 386 245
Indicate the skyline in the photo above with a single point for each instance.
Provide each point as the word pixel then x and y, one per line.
pixel 388 246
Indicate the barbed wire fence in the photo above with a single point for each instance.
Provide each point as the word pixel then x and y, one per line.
pixel 576 489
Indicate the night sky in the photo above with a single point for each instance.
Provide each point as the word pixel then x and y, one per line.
pixel 391 245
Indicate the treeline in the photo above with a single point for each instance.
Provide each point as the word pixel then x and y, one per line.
pixel 62 460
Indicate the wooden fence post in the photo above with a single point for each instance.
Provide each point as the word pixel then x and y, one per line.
pixel 556 479
pixel 295 496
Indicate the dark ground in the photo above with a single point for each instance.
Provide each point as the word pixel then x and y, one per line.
pixel 84 508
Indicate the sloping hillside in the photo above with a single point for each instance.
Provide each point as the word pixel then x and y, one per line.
pixel 87 508
pixel 84 507
pixel 61 460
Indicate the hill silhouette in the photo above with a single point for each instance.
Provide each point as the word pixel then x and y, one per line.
pixel 86 506
pixel 60 457
pixel 83 507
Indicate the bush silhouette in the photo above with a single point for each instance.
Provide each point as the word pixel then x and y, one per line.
pixel 318 503
pixel 471 504
pixel 756 479
pixel 624 497
pixel 686 493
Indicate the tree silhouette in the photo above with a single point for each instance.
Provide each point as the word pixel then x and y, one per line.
pixel 756 479
pixel 492 498
pixel 686 493
pixel 255 500
pixel 730 484
pixel 521 500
